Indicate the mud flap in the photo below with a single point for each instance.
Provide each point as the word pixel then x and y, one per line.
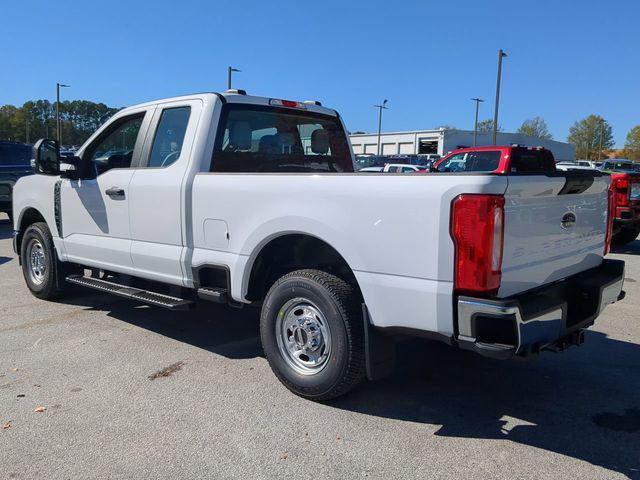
pixel 380 350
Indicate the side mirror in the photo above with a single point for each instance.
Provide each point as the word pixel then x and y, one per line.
pixel 46 157
pixel 70 167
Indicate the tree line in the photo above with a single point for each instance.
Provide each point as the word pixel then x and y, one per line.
pixel 37 119
pixel 592 136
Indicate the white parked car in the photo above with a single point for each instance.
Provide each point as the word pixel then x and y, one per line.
pixel 395 168
pixel 565 166
pixel 403 168
pixel 252 201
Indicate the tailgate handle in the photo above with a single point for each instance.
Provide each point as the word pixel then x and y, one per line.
pixel 574 186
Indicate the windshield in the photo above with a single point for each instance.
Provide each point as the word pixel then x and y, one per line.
pixel 482 161
pixel 269 139
pixel 619 166
pixel 365 161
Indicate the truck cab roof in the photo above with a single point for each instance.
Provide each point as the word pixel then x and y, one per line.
pixel 237 96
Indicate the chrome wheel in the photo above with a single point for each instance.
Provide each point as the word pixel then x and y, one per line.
pixel 303 335
pixel 37 261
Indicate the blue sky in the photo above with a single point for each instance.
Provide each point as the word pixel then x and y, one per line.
pixel 567 59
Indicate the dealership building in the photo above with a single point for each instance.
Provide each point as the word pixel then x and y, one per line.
pixel 442 140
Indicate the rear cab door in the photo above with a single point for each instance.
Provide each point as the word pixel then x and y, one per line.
pixel 160 190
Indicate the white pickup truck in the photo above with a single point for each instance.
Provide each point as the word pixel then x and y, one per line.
pixel 253 201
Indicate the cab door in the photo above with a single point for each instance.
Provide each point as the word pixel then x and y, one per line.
pixel 159 192
pixel 95 209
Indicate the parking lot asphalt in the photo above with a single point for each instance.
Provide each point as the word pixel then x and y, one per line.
pixel 100 387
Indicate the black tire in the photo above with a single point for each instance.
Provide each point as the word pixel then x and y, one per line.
pixel 344 367
pixel 625 235
pixel 52 282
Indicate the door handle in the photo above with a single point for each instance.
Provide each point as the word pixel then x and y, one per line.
pixel 115 192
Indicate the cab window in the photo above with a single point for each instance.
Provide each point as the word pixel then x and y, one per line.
pixel 268 139
pixel 113 149
pixel 167 144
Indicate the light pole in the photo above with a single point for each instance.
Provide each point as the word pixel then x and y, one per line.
pixel 601 135
pixel 229 70
pixel 58 132
pixel 501 55
pixel 380 108
pixel 475 128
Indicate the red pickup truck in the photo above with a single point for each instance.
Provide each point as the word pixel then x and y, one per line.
pixel 625 187
pixel 498 159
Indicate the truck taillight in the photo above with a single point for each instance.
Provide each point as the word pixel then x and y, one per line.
pixel 477 229
pixel 611 213
pixel 622 191
pixel 287 103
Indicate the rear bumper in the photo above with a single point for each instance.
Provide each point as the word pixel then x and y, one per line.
pixel 551 317
pixel 628 215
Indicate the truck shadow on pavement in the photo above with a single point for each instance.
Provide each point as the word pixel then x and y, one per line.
pixel 632 248
pixel 583 403
pixel 6 229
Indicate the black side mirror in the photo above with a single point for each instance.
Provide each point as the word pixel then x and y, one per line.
pixel 70 167
pixel 46 157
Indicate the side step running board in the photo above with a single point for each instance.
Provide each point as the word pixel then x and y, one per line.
pixel 144 296
pixel 217 295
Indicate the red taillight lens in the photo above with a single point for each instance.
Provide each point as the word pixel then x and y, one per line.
pixel 286 103
pixel 477 229
pixel 622 191
pixel 611 213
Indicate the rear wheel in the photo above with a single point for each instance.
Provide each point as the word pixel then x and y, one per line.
pixel 313 335
pixel 625 235
pixel 42 271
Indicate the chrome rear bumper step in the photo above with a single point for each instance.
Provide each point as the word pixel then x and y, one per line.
pixel 132 293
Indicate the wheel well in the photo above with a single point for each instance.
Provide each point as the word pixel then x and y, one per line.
pixel 29 217
pixel 294 252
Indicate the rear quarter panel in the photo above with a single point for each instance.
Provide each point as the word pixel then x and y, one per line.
pixel 393 230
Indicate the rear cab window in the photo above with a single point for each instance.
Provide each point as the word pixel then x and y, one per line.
pixel 169 137
pixel 253 138
pixel 531 161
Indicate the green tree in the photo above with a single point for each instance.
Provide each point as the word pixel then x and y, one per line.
pixel 535 127
pixel 486 126
pixel 632 145
pixel 36 119
pixel 591 137
pixel 446 127
pixel 8 122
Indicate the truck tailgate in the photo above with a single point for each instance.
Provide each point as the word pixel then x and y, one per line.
pixel 554 227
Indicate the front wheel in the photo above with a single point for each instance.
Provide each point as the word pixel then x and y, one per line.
pixel 40 266
pixel 313 334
